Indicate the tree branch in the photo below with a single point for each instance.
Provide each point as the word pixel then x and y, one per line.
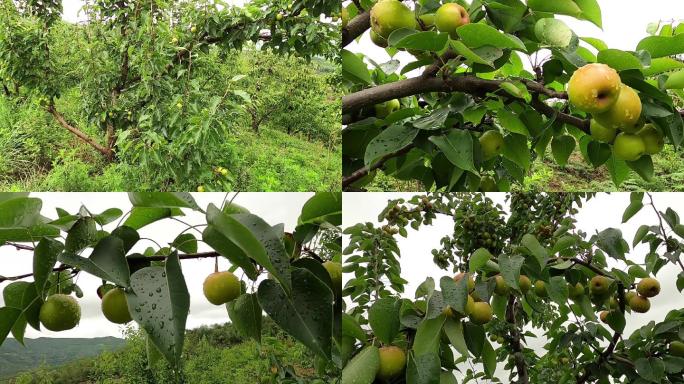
pixel 108 153
pixel 355 28
pixel 514 341
pixel 358 174
pixel 467 84
pixel 63 267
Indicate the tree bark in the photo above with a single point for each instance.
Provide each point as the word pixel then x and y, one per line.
pixel 107 152
pixel 356 27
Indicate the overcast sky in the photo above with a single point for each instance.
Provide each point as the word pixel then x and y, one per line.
pixel 274 208
pixel 624 25
pixel 601 212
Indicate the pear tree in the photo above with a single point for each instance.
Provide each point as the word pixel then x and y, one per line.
pixel 535 274
pixel 461 69
pixel 294 277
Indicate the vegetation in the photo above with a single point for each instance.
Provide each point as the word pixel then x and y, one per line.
pixel 523 271
pixel 287 275
pixel 212 354
pixel 477 117
pixel 212 97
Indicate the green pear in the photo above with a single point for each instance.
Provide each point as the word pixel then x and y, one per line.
pixel 492 143
pixel 653 139
pixel 387 16
pixel 602 133
pixel 628 147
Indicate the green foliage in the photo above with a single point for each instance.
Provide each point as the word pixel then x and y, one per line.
pixel 165 96
pixel 472 80
pixel 299 295
pixel 535 235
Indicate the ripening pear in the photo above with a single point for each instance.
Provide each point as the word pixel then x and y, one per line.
pixel 335 271
pixel 604 316
pixel 492 143
pixel 378 40
pixel 115 306
pixel 575 292
pixel 221 287
pixel 677 348
pixel 524 283
pixel 648 287
pixel 540 289
pixel 501 288
pixel 60 312
pixel 602 133
pixel 481 313
pixel 594 88
pixel 598 286
pixel 383 110
pixel 449 17
pixel 653 139
pixel 625 114
pixel 387 16
pixel 471 280
pixel 392 362
pixel 628 147
pixel 640 304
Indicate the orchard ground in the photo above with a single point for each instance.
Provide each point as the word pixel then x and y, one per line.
pixel 601 212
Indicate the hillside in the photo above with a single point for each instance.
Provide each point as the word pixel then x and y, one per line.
pixel 50 352
pixel 212 354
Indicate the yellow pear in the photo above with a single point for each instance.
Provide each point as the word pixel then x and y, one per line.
pixel 625 114
pixel 594 88
pixel 387 16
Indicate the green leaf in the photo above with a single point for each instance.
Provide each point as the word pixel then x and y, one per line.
pixel 639 235
pixel 591 11
pixel 454 331
pixel 350 327
pixel 185 242
pixel 510 269
pixel 354 69
pixel 457 146
pixel 44 258
pixel 675 80
pixel 390 140
pixel 540 253
pixel 632 209
pixel 479 259
pixel 558 289
pixel 8 317
pixel 159 302
pixel 477 35
pixel 363 367
pixel 610 240
pixel 511 122
pixel 163 200
pixel 599 44
pixel 108 216
pixel 108 261
pixel 475 338
pixel 142 216
pixel 424 41
pixel 245 314
pixel 471 56
pixel 454 294
pixel 562 147
pixel 651 369
pixel 619 60
pixel 427 336
pixel 660 46
pixel 489 359
pixel 516 150
pixel 435 120
pixel 554 33
pixel 255 239
pixel 383 318
pixel 662 65
pixel 322 207
pixel 306 314
pixel 423 369
pixel 562 7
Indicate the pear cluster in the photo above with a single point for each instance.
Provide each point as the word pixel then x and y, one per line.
pixel 387 16
pixel 616 112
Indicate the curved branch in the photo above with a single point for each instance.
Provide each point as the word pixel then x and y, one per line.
pixel 355 28
pixel 358 174
pixel 107 152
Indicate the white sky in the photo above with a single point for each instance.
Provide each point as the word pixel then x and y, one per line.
pixel 601 212
pixel 624 25
pixel 274 208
